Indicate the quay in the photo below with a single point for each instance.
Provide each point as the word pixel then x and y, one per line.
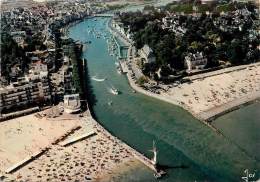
pixel 115 34
pixel 123 65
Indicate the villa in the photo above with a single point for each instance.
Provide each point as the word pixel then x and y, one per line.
pixel 146 54
pixel 195 62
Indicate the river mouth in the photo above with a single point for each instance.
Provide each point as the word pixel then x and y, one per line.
pixel 190 150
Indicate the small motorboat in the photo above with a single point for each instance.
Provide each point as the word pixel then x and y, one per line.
pixel 119 70
pixel 114 91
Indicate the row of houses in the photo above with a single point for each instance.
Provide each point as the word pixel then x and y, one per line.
pixel 44 82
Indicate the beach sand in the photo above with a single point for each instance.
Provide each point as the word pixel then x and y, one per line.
pixel 209 92
pixel 85 160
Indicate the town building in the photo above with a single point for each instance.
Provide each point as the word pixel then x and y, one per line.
pixel 195 62
pixel 171 22
pixel 19 37
pixel 123 30
pixel 72 103
pixel 27 91
pixel 146 54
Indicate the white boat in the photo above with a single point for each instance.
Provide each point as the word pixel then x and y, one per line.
pixel 117 63
pixel 114 91
pixel 72 103
pixel 119 71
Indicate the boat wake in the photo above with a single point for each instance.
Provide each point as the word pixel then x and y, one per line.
pixel 98 79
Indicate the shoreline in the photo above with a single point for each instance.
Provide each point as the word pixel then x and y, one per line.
pixel 207 115
pixel 202 116
pixel 41 155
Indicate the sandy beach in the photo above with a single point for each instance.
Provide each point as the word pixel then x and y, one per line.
pixel 84 160
pixel 210 92
pixel 213 92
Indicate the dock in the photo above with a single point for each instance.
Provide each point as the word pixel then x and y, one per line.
pixel 123 65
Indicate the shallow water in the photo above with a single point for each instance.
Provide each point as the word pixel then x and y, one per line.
pixel 188 149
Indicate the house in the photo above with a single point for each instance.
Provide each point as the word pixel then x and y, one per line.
pixel 195 61
pixel 38 67
pixel 146 54
pixel 19 37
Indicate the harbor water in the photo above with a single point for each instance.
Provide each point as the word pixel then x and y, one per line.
pixel 188 150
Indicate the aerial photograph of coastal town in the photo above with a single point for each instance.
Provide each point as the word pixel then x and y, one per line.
pixel 130 91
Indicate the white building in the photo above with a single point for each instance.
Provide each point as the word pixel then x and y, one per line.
pixel 146 54
pixel 72 103
pixel 195 61
pixel 19 37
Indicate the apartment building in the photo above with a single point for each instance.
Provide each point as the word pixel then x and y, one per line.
pixel 25 92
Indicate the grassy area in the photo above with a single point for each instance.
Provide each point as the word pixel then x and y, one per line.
pixel 203 8
pixel 186 8
pixel 225 8
pixel 142 80
pixel 117 6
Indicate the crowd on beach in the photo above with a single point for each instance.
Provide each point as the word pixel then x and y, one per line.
pixel 204 94
pixel 85 160
pixel 82 161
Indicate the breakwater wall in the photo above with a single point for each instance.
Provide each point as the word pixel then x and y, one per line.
pixel 218 111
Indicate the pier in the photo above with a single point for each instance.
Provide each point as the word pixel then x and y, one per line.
pixel 119 47
pixel 115 35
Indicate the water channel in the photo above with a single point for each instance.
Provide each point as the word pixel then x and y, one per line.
pixel 188 149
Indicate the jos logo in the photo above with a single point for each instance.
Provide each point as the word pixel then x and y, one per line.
pixel 249 177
